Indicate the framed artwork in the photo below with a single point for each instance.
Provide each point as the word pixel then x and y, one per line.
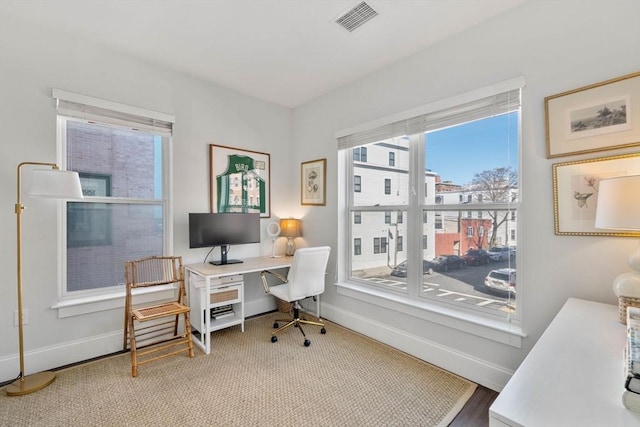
pixel 239 180
pixel 575 193
pixel 602 116
pixel 313 185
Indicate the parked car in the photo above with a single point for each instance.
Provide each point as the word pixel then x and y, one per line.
pixel 447 262
pixel 476 257
pixel 500 253
pixel 400 270
pixel 503 279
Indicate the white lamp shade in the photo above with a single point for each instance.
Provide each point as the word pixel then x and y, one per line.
pixel 618 206
pixel 55 184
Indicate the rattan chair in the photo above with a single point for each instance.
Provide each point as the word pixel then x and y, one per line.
pixel 152 330
pixel 305 279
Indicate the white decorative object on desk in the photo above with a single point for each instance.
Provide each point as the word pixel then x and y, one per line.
pixel 273 230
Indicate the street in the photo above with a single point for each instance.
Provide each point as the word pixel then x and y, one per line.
pixel 463 285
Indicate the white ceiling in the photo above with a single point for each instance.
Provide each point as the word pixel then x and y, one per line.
pixel 284 51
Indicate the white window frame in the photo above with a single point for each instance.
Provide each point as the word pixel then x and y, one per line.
pixel 90 301
pixel 504 330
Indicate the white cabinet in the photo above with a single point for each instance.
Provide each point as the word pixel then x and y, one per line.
pixel 573 376
pixel 204 300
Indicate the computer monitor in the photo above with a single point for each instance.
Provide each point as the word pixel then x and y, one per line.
pixel 223 229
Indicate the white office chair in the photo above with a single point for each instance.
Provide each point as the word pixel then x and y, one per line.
pixel 305 279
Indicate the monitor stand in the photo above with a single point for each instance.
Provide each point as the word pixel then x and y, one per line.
pixel 224 249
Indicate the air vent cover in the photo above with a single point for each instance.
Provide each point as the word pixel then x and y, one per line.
pixel 356 17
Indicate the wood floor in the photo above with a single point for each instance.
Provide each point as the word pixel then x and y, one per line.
pixel 476 412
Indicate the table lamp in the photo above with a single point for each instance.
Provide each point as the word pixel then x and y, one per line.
pixel 618 208
pixel 290 229
pixel 49 183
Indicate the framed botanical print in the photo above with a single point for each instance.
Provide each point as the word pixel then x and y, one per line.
pixel 575 193
pixel 313 185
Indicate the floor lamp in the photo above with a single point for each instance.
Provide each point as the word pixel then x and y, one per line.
pixel 49 183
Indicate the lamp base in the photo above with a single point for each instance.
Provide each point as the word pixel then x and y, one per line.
pixel 30 383
pixel 291 247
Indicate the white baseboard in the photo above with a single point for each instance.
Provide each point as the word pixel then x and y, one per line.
pixel 479 371
pixel 62 354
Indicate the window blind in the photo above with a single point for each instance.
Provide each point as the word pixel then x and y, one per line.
pixel 454 111
pixel 98 110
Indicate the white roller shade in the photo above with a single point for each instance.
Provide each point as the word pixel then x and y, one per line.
pixel 486 102
pixel 99 110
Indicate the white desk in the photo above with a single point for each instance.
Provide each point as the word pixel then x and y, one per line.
pixel 212 286
pixel 573 376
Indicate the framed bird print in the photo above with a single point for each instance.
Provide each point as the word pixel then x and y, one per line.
pixel 575 192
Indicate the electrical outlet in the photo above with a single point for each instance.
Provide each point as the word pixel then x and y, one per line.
pixel 25 317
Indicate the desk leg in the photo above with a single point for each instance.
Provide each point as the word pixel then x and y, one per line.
pixel 207 317
pixel 195 304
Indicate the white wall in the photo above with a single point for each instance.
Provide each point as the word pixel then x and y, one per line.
pixel 557 46
pixel 32 62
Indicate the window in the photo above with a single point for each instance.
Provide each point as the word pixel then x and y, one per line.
pixel 392 158
pixel 357 217
pixel 379 245
pixel 387 217
pixel 360 154
pixel 357 184
pixel 357 246
pixel 122 160
pixel 435 190
pixel 439 222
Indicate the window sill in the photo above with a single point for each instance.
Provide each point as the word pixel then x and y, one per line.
pixel 77 306
pixel 492 329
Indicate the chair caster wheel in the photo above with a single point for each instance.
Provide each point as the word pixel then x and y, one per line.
pixel 274 339
pixel 307 343
pixel 275 325
pixel 323 331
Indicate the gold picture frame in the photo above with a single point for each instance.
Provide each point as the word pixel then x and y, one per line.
pixel 239 180
pixel 313 182
pixel 575 188
pixel 598 117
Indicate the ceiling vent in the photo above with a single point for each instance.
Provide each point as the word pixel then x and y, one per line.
pixel 356 17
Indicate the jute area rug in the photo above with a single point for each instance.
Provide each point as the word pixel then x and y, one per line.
pixel 342 379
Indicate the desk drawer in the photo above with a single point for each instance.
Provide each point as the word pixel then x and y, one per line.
pixel 224 295
pixel 199 282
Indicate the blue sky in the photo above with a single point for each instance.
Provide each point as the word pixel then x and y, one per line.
pixel 457 153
